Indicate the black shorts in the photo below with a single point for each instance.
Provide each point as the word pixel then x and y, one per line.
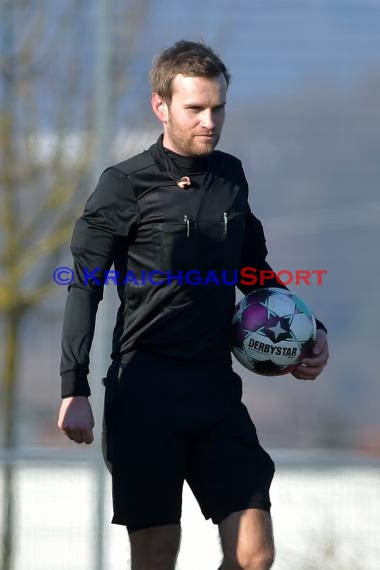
pixel 166 422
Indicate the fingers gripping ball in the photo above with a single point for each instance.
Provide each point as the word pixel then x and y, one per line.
pixel 272 331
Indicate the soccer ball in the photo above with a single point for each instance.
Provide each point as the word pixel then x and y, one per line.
pixel 272 331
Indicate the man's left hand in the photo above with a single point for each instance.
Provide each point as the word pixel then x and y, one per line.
pixel 312 366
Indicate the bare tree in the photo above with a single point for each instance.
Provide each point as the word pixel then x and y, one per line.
pixel 46 149
pixel 39 180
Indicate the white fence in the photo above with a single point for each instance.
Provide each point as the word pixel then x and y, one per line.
pixel 326 513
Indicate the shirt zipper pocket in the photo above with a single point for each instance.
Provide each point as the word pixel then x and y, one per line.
pixel 225 222
pixel 186 219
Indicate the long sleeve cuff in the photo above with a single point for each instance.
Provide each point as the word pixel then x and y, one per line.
pixel 320 325
pixel 74 383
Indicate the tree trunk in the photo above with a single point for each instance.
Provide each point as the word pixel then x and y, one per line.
pixel 8 416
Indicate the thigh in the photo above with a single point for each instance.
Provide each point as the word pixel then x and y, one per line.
pixel 147 482
pixel 229 471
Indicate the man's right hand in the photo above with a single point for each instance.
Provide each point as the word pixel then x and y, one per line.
pixel 76 420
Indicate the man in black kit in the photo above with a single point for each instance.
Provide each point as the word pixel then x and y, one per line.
pixel 173 409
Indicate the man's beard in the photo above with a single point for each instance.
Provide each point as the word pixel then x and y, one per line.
pixel 190 145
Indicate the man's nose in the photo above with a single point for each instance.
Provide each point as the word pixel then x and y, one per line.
pixel 207 119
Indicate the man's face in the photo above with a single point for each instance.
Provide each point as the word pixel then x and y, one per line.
pixel 195 115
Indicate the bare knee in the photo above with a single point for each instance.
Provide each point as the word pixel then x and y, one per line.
pixel 155 548
pixel 262 560
pixel 247 540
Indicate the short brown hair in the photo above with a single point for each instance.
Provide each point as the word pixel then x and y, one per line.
pixel 192 59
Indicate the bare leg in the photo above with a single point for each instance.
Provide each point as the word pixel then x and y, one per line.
pixel 155 548
pixel 247 540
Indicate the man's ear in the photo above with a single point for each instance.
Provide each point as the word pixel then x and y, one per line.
pixel 160 107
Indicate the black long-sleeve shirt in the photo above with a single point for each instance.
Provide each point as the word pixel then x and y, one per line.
pixel 141 221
